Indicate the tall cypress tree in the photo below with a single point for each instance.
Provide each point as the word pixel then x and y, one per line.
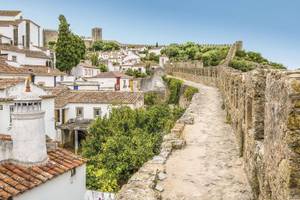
pixel 69 48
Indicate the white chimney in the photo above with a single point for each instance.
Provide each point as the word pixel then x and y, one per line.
pixel 28 129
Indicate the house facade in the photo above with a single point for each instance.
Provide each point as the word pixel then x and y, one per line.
pixel 31 166
pixel 13 88
pixel 17 56
pixel 113 81
pixel 75 110
pixel 85 69
pixel 20 31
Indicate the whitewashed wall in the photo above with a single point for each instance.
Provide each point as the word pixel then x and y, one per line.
pixel 80 71
pixel 22 32
pixel 48 107
pixel 4 118
pixel 125 84
pixel 47 81
pixel 63 187
pixel 7 31
pixel 34 34
pixel 105 83
pixel 23 60
pixel 5 40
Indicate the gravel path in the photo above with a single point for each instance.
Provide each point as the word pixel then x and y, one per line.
pixel 209 167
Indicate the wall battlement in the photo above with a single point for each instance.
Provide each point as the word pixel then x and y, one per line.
pixel 263 107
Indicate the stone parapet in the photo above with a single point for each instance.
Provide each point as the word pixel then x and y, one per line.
pixel 263 107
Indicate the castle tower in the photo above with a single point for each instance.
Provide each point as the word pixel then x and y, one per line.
pixel 28 129
pixel 96 34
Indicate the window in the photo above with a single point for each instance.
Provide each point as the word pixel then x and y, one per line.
pixel 75 87
pixel 11 110
pixel 124 84
pixel 79 112
pixel 97 112
pixel 57 115
pixel 14 58
pixel 1 107
pixel 73 172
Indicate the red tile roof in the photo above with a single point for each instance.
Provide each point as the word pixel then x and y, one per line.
pixel 5 137
pixel 28 69
pixel 27 52
pixel 65 96
pixel 111 75
pixel 16 179
pixel 9 82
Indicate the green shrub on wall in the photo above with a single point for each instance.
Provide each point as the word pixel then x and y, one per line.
pixel 242 65
pixel 151 98
pixel 189 92
pixel 174 86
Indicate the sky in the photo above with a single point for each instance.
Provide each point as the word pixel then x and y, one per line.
pixel 270 27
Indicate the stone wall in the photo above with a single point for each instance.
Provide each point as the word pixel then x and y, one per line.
pixel 263 107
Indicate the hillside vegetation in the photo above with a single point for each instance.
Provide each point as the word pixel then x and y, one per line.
pixel 246 61
pixel 211 56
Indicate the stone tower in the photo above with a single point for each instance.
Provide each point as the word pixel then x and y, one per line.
pixel 96 34
pixel 28 129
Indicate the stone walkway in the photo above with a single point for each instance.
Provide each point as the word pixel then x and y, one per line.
pixel 209 167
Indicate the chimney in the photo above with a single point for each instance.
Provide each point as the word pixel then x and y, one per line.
pixel 28 129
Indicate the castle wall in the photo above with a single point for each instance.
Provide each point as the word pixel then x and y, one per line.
pixel 263 107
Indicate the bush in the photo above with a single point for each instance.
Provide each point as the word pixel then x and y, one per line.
pixel 135 73
pixel 242 65
pixel 189 92
pixel 211 56
pixel 174 86
pixel 251 56
pixel 151 98
pixel 118 145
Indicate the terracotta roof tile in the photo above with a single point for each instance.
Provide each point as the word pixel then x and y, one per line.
pixel 27 52
pixel 16 179
pixel 43 70
pixel 111 75
pixel 9 82
pixel 100 97
pixel 5 137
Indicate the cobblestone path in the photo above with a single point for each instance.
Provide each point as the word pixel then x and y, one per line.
pixel 209 167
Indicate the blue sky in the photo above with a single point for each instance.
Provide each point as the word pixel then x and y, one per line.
pixel 269 26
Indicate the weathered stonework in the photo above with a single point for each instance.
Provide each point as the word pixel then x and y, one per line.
pixel 263 107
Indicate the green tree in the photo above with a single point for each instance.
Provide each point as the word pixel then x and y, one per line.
pixel 70 49
pixel 118 145
pixel 103 67
pixel 94 59
pixel 105 46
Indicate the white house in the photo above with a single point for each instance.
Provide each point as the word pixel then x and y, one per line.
pixel 17 56
pixel 31 167
pixel 112 56
pixel 21 32
pixel 85 69
pixel 81 84
pixel 138 67
pixel 155 50
pixel 113 81
pixel 13 88
pixel 40 75
pixel 5 40
pixel 131 59
pixel 163 60
pixel 75 110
